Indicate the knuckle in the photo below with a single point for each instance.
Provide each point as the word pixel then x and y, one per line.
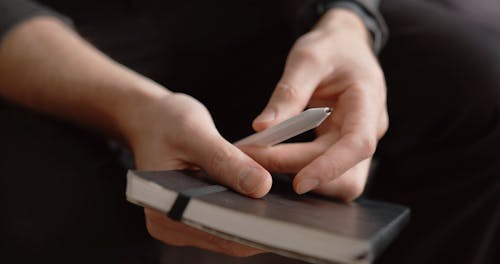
pixel 275 164
pixel 366 146
pixel 309 54
pixel 178 140
pixel 370 146
pixel 220 157
pixel 287 92
pixel 359 88
pixel 352 190
pixel 186 122
pixel 185 110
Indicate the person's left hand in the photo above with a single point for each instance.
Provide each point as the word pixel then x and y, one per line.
pixel 332 65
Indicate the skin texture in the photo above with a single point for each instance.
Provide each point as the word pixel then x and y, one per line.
pixel 330 66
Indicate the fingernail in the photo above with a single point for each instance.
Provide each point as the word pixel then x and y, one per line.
pixel 306 185
pixel 266 116
pixel 250 179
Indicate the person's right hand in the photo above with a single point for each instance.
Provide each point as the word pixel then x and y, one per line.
pixel 177 132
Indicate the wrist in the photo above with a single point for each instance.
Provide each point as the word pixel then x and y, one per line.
pixel 131 111
pixel 85 87
pixel 344 20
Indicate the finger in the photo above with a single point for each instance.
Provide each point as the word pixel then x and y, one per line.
pixel 179 234
pixel 286 158
pixel 348 186
pixel 229 166
pixel 343 155
pixel 300 78
pixel 359 121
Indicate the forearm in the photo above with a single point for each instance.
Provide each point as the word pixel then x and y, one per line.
pixel 46 66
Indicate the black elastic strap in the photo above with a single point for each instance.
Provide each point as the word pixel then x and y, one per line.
pixel 183 198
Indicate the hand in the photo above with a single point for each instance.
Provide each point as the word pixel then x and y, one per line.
pixel 333 65
pixel 177 132
pixel 178 234
pixel 164 130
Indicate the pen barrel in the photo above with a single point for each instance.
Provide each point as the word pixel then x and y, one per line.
pixel 287 129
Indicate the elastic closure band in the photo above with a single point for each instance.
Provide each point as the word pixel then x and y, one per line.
pixel 182 200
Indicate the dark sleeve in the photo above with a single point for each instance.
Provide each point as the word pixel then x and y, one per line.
pixel 368 12
pixel 311 11
pixel 12 12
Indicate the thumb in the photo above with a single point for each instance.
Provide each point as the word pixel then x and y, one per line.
pixel 229 166
pixel 292 93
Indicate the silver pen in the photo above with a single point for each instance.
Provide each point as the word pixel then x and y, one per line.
pixel 309 119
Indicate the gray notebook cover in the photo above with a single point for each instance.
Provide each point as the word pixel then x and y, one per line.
pixel 373 221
